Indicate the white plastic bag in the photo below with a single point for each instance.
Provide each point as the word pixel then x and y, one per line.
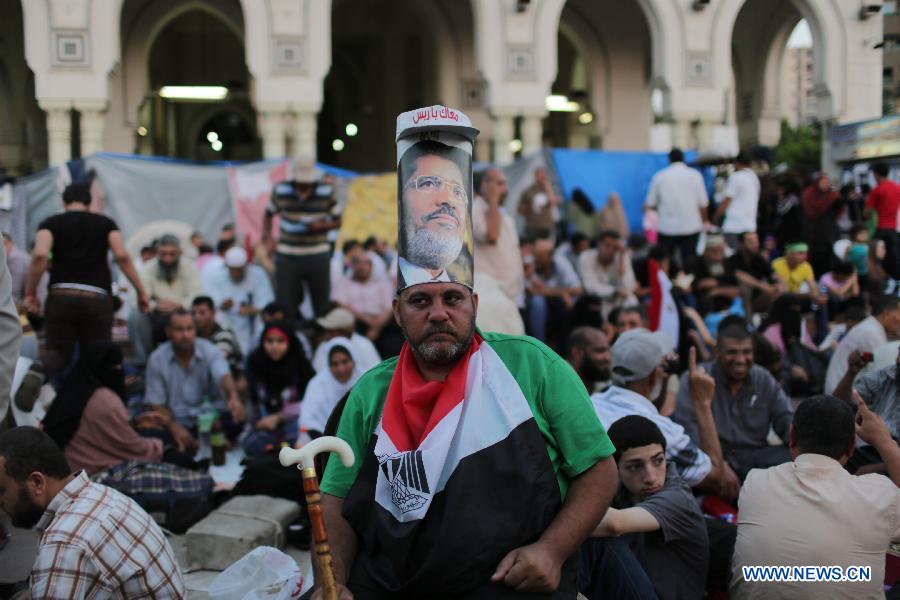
pixel 266 573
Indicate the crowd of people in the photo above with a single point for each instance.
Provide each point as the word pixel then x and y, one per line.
pixel 730 445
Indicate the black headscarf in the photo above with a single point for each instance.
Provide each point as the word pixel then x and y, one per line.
pixel 276 375
pixel 99 365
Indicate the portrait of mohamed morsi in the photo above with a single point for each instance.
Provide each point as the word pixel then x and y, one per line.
pixel 435 214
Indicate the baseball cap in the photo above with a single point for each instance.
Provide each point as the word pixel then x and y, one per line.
pixel 337 318
pixel 236 257
pixel 637 352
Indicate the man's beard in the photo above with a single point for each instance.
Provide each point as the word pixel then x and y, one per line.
pixel 168 272
pixel 594 374
pixel 25 514
pixel 436 353
pixel 429 248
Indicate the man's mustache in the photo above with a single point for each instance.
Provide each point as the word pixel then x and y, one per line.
pixel 439 329
pixel 444 209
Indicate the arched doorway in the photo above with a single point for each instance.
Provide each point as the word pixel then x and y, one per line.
pixel 167 45
pixel 385 62
pixel 23 130
pixel 772 80
pixel 602 93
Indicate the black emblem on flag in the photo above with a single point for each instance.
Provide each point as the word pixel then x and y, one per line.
pixel 405 473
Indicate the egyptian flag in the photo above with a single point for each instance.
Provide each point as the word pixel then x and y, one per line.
pixel 456 475
pixel 663 312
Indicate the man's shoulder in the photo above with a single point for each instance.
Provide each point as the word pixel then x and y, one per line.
pixel 84 522
pixel 163 352
pixel 761 375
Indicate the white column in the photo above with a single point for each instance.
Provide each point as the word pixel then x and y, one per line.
pixel 532 134
pixel 503 135
pixel 303 134
pixel 93 122
pixel 272 130
pixel 59 131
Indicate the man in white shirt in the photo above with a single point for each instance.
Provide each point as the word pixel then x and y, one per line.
pixel 678 195
pixel 740 201
pixel 606 272
pixel 367 296
pixel 496 238
pixel 339 322
pixel 812 512
pixel 866 336
pixel 240 292
pixel 638 375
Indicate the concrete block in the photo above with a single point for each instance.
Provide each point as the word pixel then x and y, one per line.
pixel 236 528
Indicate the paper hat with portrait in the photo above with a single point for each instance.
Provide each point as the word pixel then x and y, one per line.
pixel 434 197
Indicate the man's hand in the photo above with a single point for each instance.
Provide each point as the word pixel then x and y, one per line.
pixel 702 384
pixel 247 309
pixel 731 484
pixel 184 441
pixel 857 360
pixel 227 304
pixel 143 302
pixel 533 568
pixel 869 426
pixel 343 593
pixel 236 408
pixel 167 306
pixel 269 423
pixel 32 304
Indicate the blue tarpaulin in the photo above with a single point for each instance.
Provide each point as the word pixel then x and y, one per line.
pixel 600 172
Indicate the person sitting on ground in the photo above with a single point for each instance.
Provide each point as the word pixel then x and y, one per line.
pixel 639 362
pixel 203 309
pixel 754 274
pixel 240 291
pixel 214 263
pixel 880 391
pixel 746 403
pixel 628 318
pixel 813 512
pixel 858 254
pixel 171 283
pixel 587 350
pixel 95 542
pixel 274 311
pixel 327 387
pixel 185 371
pixel 552 289
pixel 88 418
pixel 839 285
pixel 339 322
pixel 606 271
pixel 656 511
pixel 867 336
pixel 367 297
pixel 795 273
pixel 713 278
pixel 277 375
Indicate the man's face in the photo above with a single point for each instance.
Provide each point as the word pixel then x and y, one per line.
pixel 891 321
pixel 735 358
pixel 494 185
pixel 237 273
pixel 715 254
pixel 182 333
pixel 596 358
pixel 796 258
pixel 627 321
pixel 543 254
pixel 168 255
pixel 606 249
pixel 750 243
pixel 361 265
pixel 15 501
pixel 540 176
pixel 438 320
pixel 643 470
pixel 203 316
pixel 435 203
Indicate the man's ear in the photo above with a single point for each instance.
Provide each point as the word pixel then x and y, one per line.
pixel 395 308
pixel 36 484
pixel 475 301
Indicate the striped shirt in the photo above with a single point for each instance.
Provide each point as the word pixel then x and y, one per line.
pixel 693 464
pixel 98 543
pixel 296 238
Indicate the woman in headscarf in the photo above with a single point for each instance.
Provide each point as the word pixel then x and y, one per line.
pixel 89 420
pixel 328 387
pixel 277 374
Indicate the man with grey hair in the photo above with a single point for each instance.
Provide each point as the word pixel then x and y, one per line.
pixel 434 219
pixel 171 283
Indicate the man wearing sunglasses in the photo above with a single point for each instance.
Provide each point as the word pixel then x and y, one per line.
pixel 434 214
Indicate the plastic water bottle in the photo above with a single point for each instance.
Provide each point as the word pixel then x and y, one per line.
pixel 205 419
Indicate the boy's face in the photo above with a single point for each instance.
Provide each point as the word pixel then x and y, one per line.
pixel 796 258
pixel 861 237
pixel 643 470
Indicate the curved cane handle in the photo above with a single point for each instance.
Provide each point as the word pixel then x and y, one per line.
pixel 305 455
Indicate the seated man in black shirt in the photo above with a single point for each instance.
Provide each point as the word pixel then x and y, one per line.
pixel 754 275
pixel 655 511
pixel 714 282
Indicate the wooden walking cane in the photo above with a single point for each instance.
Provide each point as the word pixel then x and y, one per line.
pixel 303 458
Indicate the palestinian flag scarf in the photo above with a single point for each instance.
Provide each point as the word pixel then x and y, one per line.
pixel 455 476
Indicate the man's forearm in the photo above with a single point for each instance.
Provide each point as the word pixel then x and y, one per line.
pixel 586 502
pixel 228 386
pixel 709 442
pixel 127 266
pixel 35 272
pixel 845 387
pixel 267 227
pixel 341 539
